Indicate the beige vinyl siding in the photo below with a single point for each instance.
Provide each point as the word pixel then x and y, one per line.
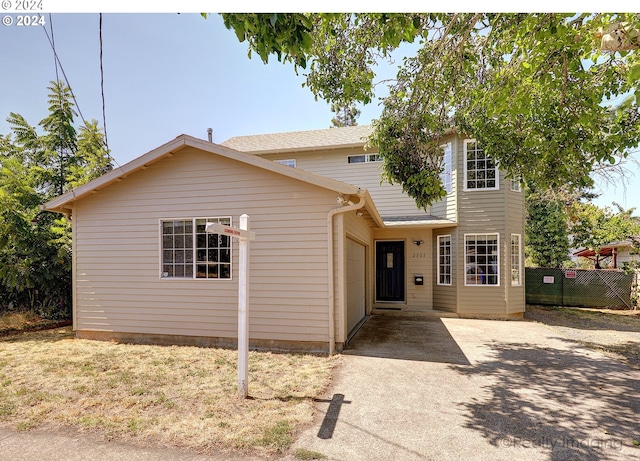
pixel 390 200
pixel 117 245
pixel 514 212
pixel 487 212
pixel 481 212
pixel 445 296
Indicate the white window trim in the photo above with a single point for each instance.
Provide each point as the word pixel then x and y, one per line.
pixel 194 247
pixel 516 185
pixel 519 281
pixel 464 185
pixel 368 158
pixel 450 262
pixel 450 172
pixel 464 243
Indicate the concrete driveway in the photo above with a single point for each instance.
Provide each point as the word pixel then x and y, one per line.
pixel 437 388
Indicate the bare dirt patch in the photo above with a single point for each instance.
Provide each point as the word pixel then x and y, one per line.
pixel 614 332
pixel 183 397
pixel 12 323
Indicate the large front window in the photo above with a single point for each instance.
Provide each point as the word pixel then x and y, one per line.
pixel 188 251
pixel 481 259
pixel 480 172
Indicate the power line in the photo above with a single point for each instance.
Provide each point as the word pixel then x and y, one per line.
pixel 53 43
pixel 75 101
pixel 57 60
pixel 104 117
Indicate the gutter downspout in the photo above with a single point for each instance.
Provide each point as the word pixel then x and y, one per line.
pixel 330 241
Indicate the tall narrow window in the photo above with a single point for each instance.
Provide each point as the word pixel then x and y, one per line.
pixel 188 251
pixel 479 170
pixel 444 259
pixel 445 174
pixel 481 259
pixel 516 260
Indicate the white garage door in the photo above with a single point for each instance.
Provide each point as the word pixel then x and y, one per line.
pixel 355 283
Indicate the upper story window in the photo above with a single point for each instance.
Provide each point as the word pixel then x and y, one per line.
pixel 445 174
pixel 189 251
pixel 364 158
pixel 480 172
pixel 516 185
pixel 288 162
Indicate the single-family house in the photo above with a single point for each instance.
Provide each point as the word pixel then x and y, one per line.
pixel 333 243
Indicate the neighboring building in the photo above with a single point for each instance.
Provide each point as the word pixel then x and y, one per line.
pixel 613 255
pixel 332 244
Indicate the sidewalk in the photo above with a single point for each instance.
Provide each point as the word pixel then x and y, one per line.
pixel 44 446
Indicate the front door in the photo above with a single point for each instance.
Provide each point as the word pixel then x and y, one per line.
pixel 390 271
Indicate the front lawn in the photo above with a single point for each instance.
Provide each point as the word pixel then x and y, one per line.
pixel 157 395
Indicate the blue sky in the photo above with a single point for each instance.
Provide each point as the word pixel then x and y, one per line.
pixel 168 74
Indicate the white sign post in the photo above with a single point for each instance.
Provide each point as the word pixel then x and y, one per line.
pixel 243 234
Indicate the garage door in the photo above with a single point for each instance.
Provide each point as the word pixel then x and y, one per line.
pixel 355 283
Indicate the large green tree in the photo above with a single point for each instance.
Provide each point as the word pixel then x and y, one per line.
pixel 35 251
pixel 541 92
pixel 546 231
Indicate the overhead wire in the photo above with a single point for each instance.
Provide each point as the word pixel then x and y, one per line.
pixel 104 117
pixel 73 96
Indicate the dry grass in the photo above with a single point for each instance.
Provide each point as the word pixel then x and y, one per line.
pixel 18 320
pixel 613 332
pixel 174 396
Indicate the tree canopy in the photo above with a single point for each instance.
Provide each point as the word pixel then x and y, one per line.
pixel 541 92
pixel 35 247
pixel 593 227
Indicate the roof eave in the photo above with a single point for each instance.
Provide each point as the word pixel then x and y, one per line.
pixel 61 203
pixel 114 175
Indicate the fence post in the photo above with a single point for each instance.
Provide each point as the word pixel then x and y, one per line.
pixel 562 286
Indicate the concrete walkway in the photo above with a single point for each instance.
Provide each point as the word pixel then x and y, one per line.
pixel 429 388
pixel 44 446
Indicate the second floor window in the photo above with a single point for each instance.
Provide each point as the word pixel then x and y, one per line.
pixel 364 158
pixel 445 174
pixel 480 172
pixel 288 162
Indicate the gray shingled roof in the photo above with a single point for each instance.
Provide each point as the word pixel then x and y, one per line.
pixel 300 140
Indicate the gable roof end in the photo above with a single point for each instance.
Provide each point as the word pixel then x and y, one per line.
pixel 64 203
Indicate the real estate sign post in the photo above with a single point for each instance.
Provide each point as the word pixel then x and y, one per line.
pixel 243 234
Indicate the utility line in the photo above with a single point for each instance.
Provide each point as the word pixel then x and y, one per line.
pixel 104 117
pixel 59 63
pixel 57 60
pixel 53 44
